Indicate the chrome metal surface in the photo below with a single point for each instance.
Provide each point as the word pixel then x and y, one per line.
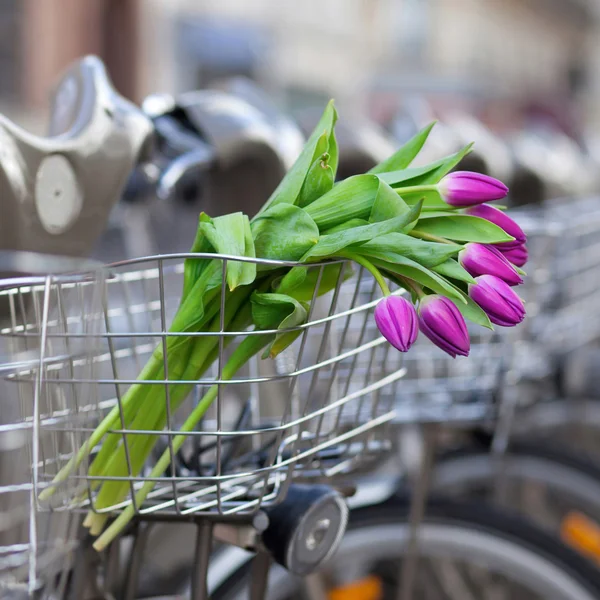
pixel 36 540
pixel 55 198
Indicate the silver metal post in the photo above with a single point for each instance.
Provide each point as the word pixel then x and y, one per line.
pixel 201 560
pixel 417 510
pixel 259 575
pixel 135 560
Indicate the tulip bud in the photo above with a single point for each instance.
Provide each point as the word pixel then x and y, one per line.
pixel 498 300
pixel 442 323
pixel 497 217
pixel 396 319
pixel 464 188
pixel 517 256
pixel 481 259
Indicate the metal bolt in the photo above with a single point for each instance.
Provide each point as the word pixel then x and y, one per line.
pixel 315 537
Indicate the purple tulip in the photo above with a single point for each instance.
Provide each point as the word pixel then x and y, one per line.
pixel 482 259
pixel 464 188
pixel 517 256
pixel 442 323
pixel 498 300
pixel 396 319
pixel 497 217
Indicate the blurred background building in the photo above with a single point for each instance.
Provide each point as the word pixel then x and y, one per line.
pixel 501 59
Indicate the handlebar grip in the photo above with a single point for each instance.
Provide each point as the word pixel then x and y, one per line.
pixel 57 192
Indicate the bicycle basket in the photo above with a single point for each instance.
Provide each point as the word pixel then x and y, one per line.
pixel 314 410
pixel 45 335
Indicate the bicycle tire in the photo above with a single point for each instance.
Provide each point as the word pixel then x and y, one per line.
pixel 464 528
pixel 583 470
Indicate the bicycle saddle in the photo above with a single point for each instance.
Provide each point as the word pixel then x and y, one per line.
pixel 57 191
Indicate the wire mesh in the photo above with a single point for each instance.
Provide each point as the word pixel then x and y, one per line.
pixel 314 410
pixel 45 335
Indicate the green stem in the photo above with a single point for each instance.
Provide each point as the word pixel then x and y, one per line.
pixel 361 260
pixel 412 285
pixel 130 403
pixel 198 357
pixel 416 189
pixel 248 348
pixel 429 237
pixel 108 423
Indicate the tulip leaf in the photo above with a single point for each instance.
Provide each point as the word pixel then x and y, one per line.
pixel 193 267
pixel 405 155
pixel 413 270
pixel 393 245
pixel 300 282
pixel 387 204
pixel 191 312
pixel 464 228
pixel 278 311
pixel 319 181
pixel 230 234
pixel 347 225
pixel 331 244
pixel 333 151
pixel 453 270
pixel 289 188
pixel 351 198
pixel 427 174
pixel 283 232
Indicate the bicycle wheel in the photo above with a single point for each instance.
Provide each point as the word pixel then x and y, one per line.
pixel 575 423
pixel 546 485
pixel 467 551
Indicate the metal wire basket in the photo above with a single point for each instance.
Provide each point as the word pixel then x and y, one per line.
pixel 575 271
pixel 313 411
pixel 45 330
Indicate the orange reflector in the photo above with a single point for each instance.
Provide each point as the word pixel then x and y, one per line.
pixel 582 534
pixel 368 588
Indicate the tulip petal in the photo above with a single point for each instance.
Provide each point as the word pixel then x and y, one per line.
pixel 502 305
pixel 466 188
pixel 441 321
pixel 500 218
pixel 396 319
pixel 482 259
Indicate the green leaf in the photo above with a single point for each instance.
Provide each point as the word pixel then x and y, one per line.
pixel 278 311
pixel 427 174
pixel 347 225
pixel 289 188
pixel 230 234
pixel 193 267
pixel 464 228
pixel 300 282
pixel 453 270
pixel 283 232
pixel 318 182
pixel 413 270
pixel 393 245
pixel 405 155
pixel 269 309
pixel 387 204
pixel 192 311
pixel 333 151
pixel 332 243
pixel 351 198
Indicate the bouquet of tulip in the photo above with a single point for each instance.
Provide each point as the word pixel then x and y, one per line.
pixel 425 228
